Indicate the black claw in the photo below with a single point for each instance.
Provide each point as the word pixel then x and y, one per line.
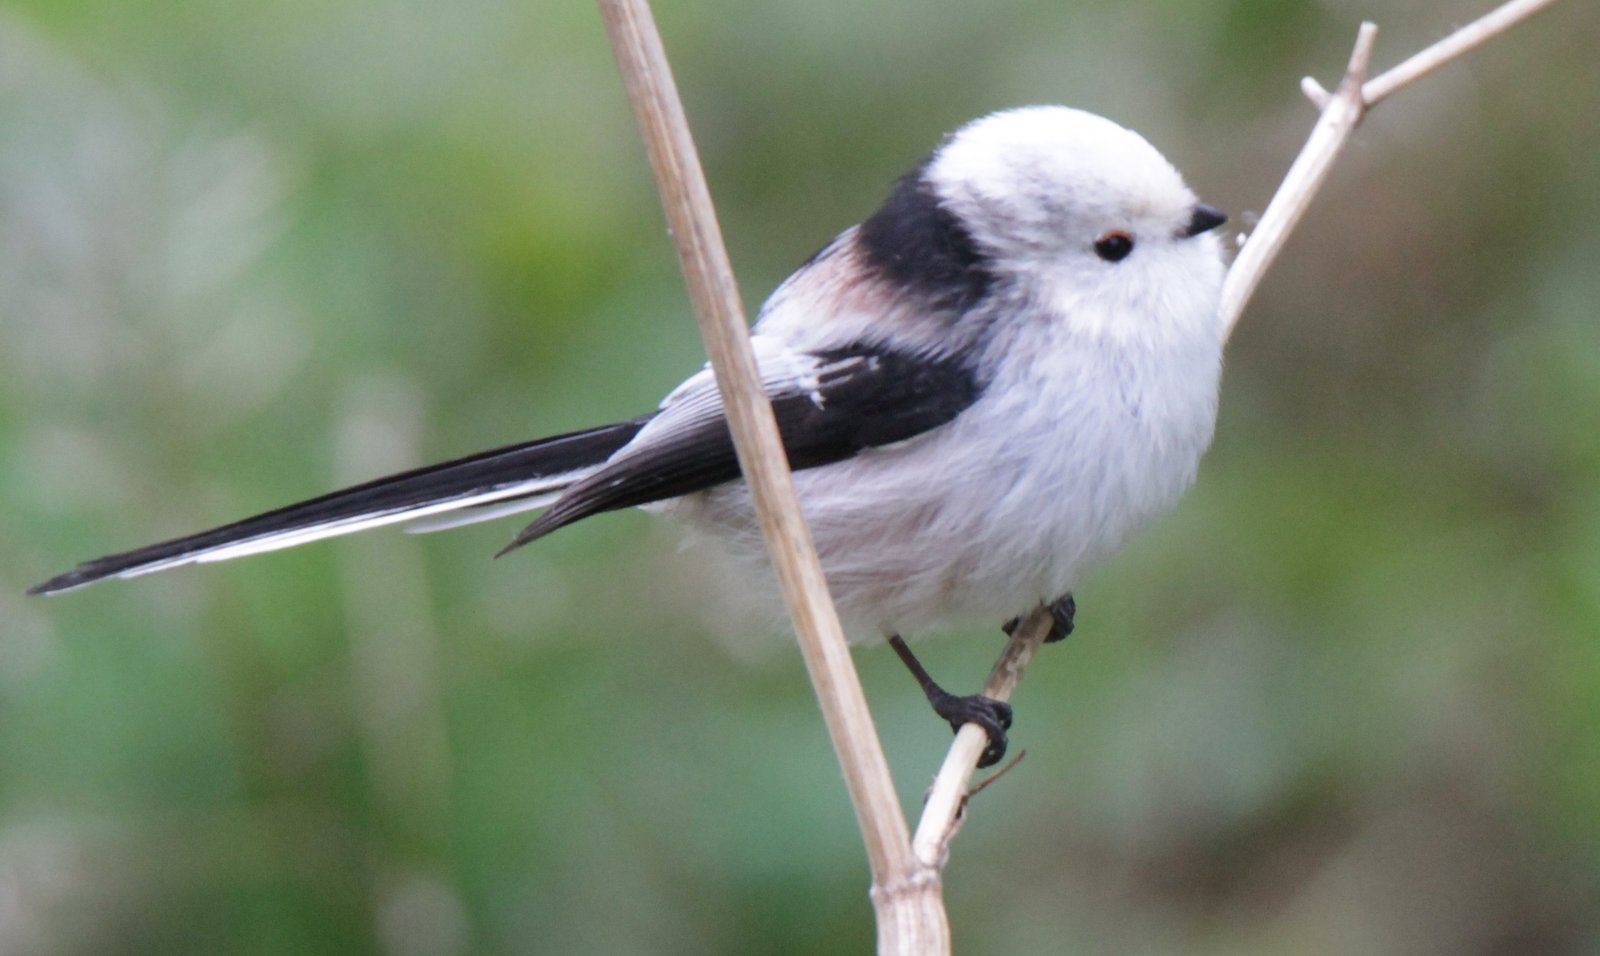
pixel 994 716
pixel 1062 611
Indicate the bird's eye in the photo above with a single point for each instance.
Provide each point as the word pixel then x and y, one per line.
pixel 1114 246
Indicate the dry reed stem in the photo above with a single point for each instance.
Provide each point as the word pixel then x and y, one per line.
pixel 911 917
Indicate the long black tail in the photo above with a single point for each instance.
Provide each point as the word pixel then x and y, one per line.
pixel 531 473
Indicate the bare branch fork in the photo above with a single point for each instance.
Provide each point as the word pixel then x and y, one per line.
pixel 906 889
pixel 1342 111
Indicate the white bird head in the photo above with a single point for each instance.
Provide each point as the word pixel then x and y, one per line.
pixel 1057 206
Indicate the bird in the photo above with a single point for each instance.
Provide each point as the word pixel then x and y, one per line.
pixel 984 389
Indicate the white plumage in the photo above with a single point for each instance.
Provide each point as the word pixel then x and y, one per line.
pixel 1101 392
pixel 984 388
pixel 1103 396
pixel 1095 379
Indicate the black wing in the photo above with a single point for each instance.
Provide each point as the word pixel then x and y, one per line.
pixel 829 406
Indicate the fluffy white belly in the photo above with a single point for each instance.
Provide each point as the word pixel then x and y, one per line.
pixel 982 519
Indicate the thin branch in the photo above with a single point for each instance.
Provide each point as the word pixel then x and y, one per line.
pixel 942 810
pixel 1462 41
pixel 911 916
pixel 1342 112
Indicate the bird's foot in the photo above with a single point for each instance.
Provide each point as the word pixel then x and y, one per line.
pixel 1062 611
pixel 994 716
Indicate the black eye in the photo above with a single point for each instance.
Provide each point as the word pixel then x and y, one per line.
pixel 1114 246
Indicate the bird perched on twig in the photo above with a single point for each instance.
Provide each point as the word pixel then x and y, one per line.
pixel 984 389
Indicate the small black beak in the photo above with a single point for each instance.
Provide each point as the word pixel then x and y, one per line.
pixel 1204 219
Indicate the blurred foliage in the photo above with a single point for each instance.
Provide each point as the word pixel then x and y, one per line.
pixel 1344 701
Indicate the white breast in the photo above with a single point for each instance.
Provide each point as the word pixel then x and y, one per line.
pixel 1062 458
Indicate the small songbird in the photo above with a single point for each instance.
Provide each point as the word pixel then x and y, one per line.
pixel 984 389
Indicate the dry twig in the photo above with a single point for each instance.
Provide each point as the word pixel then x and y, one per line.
pixel 911 915
pixel 1342 112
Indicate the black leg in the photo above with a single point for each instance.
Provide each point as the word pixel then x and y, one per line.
pixel 992 715
pixel 1063 609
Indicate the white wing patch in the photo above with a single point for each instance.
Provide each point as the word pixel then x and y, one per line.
pixel 784 371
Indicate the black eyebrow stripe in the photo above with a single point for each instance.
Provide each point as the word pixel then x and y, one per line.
pixel 920 245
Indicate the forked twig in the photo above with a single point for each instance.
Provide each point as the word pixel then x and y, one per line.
pixel 1342 112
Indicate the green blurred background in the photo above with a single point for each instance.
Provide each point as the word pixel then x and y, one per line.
pixel 1345 700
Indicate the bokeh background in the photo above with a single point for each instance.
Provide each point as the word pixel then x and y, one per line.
pixel 1345 700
